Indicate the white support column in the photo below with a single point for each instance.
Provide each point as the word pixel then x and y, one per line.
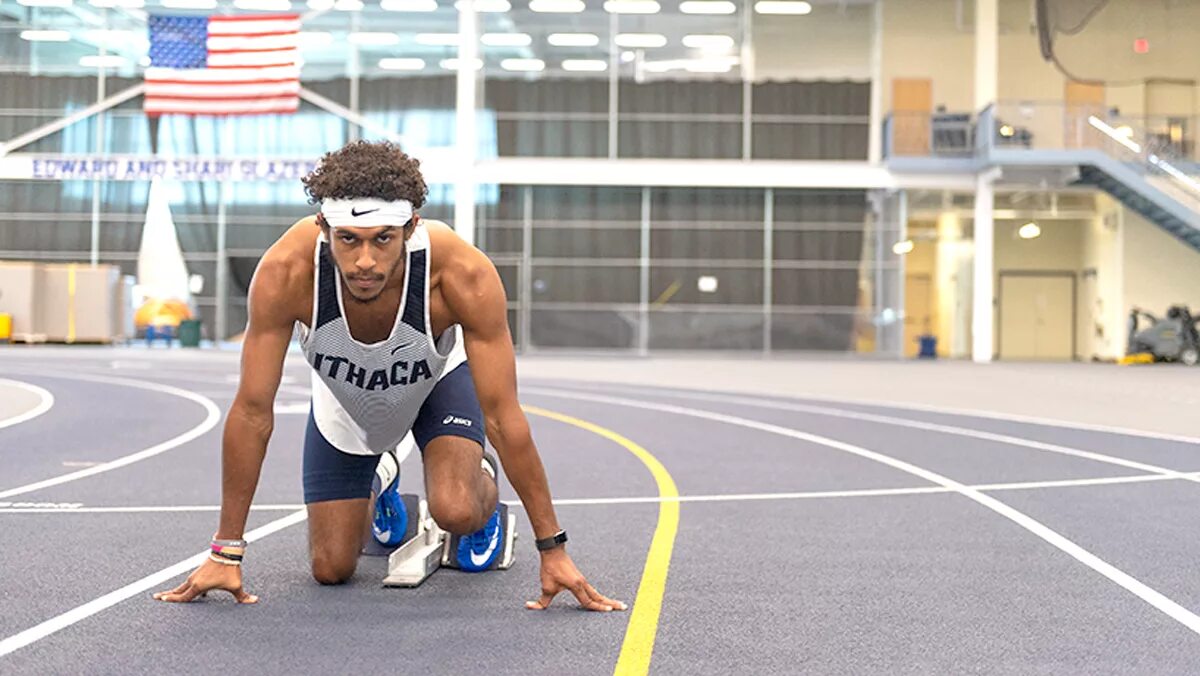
pixel 222 286
pixel 644 278
pixel 987 54
pixel 983 303
pixel 875 133
pixel 614 85
pixel 465 143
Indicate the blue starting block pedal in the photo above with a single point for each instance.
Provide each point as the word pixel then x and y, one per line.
pixel 426 547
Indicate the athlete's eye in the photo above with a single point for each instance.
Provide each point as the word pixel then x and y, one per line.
pixel 383 239
pixel 348 239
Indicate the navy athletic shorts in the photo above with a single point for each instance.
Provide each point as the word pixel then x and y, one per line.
pixel 451 409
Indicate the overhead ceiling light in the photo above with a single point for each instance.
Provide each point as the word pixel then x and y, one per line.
pixel 315 39
pixel 709 65
pixel 713 65
pixel 557 6
pixel 632 7
pixel 627 57
pixel 409 5
pixel 486 6
pixel 901 248
pixel 124 4
pixel 708 42
pixel 348 5
pixel 119 37
pixel 45 36
pixel 97 61
pixel 190 4
pixel 523 65
pixel 373 39
pixel 797 7
pixel 264 5
pixel 506 39
pixel 452 64
pixel 585 65
pixel 45 3
pixel 437 39
pixel 640 40
pixel 1030 230
pixel 320 5
pixel 573 39
pixel 402 64
pixel 707 7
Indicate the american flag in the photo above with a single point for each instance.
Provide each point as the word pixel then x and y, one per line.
pixel 223 65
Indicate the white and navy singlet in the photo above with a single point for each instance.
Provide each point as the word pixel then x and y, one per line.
pixel 367 397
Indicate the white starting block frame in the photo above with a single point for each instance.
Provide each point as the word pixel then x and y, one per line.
pixel 430 548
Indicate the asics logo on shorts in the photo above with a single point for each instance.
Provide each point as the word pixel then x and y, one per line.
pixel 455 420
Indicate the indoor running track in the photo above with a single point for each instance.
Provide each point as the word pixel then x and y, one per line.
pixel 749 534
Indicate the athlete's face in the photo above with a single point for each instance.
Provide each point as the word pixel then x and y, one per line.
pixel 368 258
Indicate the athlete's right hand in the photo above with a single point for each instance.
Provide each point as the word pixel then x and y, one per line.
pixel 209 576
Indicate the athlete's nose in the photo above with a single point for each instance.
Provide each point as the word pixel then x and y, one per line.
pixel 365 263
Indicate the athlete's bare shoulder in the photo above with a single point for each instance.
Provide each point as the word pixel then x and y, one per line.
pixel 452 259
pixel 284 276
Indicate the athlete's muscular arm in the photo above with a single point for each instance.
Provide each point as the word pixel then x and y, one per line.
pixel 475 295
pixel 249 423
pixel 251 418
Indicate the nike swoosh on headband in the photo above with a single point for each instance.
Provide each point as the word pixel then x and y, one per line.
pixel 356 213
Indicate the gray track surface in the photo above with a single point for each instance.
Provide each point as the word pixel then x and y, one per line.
pixel 880 584
pixel 15 401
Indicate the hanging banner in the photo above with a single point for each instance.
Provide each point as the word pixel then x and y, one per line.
pixel 135 168
pixel 144 168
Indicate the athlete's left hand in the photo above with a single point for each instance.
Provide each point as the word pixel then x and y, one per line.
pixel 560 574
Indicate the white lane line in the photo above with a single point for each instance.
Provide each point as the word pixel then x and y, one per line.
pixel 38 632
pixel 1121 578
pixel 45 403
pixel 925 408
pixel 210 421
pixel 921 425
pixel 79 508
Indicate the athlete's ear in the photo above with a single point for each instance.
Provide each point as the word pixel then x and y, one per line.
pixel 322 223
pixel 411 226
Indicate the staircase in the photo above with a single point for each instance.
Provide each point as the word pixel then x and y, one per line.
pixel 1152 204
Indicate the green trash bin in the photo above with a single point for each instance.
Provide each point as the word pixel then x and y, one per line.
pixel 189 333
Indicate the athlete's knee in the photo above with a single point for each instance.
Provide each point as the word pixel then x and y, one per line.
pixel 331 569
pixel 459 516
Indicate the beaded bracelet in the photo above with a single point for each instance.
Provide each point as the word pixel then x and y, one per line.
pixel 227 562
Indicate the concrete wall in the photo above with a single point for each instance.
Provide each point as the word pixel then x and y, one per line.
pixel 1159 270
pixel 829 44
pixel 932 38
pixel 1101 283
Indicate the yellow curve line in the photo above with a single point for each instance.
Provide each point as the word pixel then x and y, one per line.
pixel 638 646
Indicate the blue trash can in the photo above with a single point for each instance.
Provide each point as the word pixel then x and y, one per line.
pixel 927 347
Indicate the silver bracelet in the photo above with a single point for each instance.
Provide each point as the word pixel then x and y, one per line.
pixel 229 543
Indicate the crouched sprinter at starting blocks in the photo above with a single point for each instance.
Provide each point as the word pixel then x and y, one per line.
pixel 405 327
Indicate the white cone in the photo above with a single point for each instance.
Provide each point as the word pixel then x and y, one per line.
pixel 162 274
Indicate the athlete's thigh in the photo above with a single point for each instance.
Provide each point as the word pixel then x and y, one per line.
pixel 336 529
pixel 449 431
pixel 337 490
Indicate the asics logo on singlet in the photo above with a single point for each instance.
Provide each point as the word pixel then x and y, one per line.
pixel 400 373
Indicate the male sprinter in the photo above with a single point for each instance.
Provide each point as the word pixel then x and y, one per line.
pixel 405 327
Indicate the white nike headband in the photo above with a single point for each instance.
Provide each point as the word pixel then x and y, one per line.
pixel 364 212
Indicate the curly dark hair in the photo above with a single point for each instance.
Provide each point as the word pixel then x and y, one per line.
pixel 378 170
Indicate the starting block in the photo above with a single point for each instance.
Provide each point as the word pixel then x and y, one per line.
pixel 427 547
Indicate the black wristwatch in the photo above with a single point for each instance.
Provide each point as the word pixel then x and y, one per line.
pixel 551 542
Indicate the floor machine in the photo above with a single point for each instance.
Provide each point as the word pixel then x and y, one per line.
pixel 1173 338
